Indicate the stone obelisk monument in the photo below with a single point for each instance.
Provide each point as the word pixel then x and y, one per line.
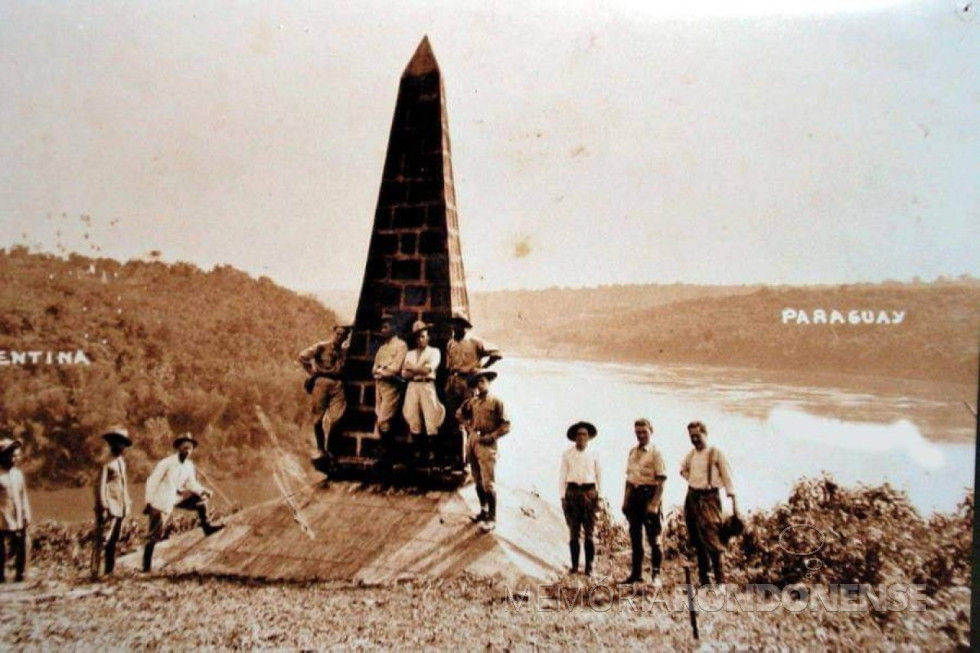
pixel 376 533
pixel 414 267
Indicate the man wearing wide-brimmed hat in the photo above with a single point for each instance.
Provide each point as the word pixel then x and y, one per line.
pixel 112 502
pixel 646 473
pixel 173 484
pixel 422 409
pixel 324 363
pixel 579 485
pixel 15 510
pixel 465 354
pixel 485 419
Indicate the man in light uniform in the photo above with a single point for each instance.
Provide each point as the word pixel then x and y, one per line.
pixel 388 363
pixel 645 476
pixel 324 363
pixel 705 469
pixel 579 486
pixel 173 484
pixel 112 502
pixel 422 409
pixel 485 419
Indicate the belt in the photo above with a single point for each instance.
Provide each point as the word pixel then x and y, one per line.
pixel 421 380
pixel 332 377
pixel 582 486
pixel 710 490
pixel 643 486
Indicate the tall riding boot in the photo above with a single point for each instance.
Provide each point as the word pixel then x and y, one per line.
pixel 205 518
pixel 702 566
pixel 110 557
pixel 148 556
pixel 573 549
pixel 321 438
pixel 657 559
pixel 491 507
pixel 481 494
pixel 718 562
pixel 589 556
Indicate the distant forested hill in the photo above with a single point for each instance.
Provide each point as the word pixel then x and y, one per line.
pixel 743 326
pixel 172 349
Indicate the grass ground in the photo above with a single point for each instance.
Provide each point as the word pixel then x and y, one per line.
pixel 60 609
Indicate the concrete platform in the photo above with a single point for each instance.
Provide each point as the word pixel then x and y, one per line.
pixel 372 534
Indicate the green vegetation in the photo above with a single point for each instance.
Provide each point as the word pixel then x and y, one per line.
pixel 882 541
pixel 742 326
pixel 173 348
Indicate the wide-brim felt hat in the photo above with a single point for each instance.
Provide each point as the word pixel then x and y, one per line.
pixel 187 437
pixel 9 444
pixel 118 434
pixel 477 375
pixel 592 430
pixel 459 318
pixel 419 325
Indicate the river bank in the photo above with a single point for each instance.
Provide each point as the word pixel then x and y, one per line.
pixel 878 540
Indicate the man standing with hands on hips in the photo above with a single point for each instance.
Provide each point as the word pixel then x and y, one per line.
pixel 485 420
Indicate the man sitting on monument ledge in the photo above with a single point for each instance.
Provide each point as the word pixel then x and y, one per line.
pixel 422 409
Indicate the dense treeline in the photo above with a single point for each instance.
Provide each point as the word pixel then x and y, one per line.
pixel 172 348
pixel 743 326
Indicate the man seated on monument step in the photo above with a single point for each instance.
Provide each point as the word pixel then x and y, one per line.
pixel 323 362
pixel 422 409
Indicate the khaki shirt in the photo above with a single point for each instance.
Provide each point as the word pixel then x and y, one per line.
pixel 482 414
pixel 323 358
pixel 390 356
pixel 113 492
pixel 645 466
pixel 464 355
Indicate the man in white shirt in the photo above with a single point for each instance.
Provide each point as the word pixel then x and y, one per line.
pixel 579 483
pixel 422 409
pixel 173 484
pixel 645 476
pixel 706 469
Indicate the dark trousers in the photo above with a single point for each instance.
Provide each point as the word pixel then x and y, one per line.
pixel 159 522
pixel 702 514
pixel 16 543
pixel 106 536
pixel 579 505
pixel 642 520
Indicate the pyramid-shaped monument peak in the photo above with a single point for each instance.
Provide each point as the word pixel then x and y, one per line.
pixel 423 61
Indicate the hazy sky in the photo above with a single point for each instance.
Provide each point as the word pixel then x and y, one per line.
pixel 599 142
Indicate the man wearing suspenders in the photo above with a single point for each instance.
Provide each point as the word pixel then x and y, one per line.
pixel 705 470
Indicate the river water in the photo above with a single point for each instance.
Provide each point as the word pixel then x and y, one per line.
pixel 772 433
